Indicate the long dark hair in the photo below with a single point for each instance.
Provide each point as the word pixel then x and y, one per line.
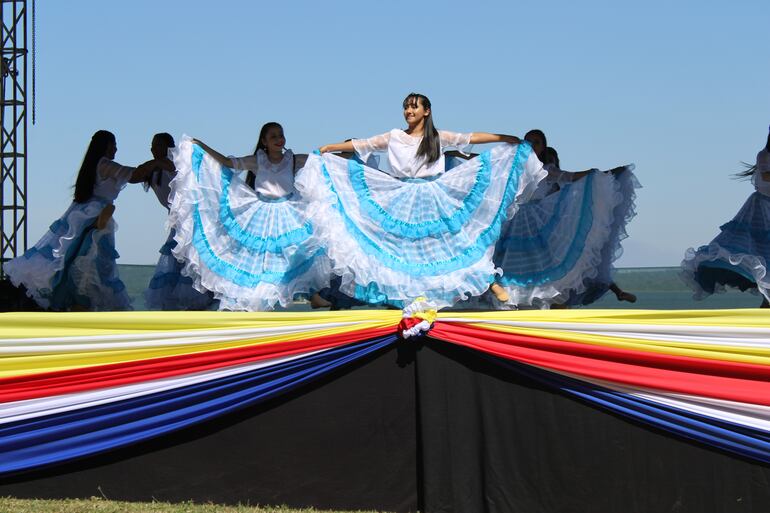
pixel 84 185
pixel 552 157
pixel 749 169
pixel 536 132
pixel 251 178
pixel 430 146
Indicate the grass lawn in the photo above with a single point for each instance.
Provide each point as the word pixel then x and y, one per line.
pixel 97 505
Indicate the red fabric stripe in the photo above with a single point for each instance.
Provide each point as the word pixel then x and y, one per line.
pixel 720 379
pixel 17 388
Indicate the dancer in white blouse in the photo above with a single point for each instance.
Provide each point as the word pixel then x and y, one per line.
pixel 416 230
pixel 73 266
pixel 738 257
pixel 252 243
pixel 169 289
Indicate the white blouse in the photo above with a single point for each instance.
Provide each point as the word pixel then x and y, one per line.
pixel 160 183
pixel 763 166
pixel 402 152
pixel 111 177
pixel 273 180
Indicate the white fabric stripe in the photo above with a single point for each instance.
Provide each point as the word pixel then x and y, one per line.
pixel 707 335
pixel 150 340
pixel 31 408
pixel 755 416
pixel 757 332
pixel 688 339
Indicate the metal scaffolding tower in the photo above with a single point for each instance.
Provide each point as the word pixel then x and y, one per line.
pixel 13 138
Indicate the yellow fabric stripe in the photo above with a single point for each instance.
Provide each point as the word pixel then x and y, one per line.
pixel 71 324
pixel 79 324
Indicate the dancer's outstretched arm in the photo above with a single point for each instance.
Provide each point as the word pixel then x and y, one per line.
pixel 227 162
pixel 484 137
pixel 343 146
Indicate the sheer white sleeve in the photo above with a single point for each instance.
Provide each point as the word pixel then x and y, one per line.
pixel 462 142
pixel 247 163
pixel 110 169
pixel 365 147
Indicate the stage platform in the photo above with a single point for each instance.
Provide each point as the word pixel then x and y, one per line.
pixel 536 411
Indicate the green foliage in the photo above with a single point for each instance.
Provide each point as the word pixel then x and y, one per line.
pixel 98 505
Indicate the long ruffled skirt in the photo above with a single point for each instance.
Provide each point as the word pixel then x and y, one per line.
pixel 252 253
pixel 737 257
pixel 169 289
pixel 393 240
pixel 74 265
pixel 560 248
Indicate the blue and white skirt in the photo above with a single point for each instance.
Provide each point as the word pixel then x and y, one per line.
pixel 252 253
pixel 737 257
pixel 169 289
pixel 74 265
pixel 560 248
pixel 392 240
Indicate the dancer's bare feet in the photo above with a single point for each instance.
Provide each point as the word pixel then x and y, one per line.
pixel 626 296
pixel 621 294
pixel 500 293
pixel 317 301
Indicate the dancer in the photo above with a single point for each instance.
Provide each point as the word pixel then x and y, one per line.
pixel 254 246
pixel 73 266
pixel 738 256
pixel 169 289
pixel 416 230
pixel 559 248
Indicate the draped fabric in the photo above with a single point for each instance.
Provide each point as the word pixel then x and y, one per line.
pixel 80 384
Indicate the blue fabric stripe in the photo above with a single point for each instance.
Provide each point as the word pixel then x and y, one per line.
pixel 63 437
pixel 470 255
pixel 453 223
pixel 575 251
pixel 237 275
pixel 250 240
pixel 728 436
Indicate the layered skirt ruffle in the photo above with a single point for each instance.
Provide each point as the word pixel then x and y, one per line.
pixel 393 240
pixel 737 257
pixel 74 265
pixel 560 247
pixel 169 289
pixel 252 253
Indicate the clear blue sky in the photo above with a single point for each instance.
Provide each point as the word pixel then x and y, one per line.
pixel 682 89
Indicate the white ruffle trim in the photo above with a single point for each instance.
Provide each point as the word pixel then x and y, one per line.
pixel 190 196
pixel 362 270
pixel 612 207
pixel 754 265
pixel 35 271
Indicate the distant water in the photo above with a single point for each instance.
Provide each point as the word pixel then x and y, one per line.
pixel 657 288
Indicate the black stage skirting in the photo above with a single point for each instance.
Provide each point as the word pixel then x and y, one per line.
pixel 432 427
